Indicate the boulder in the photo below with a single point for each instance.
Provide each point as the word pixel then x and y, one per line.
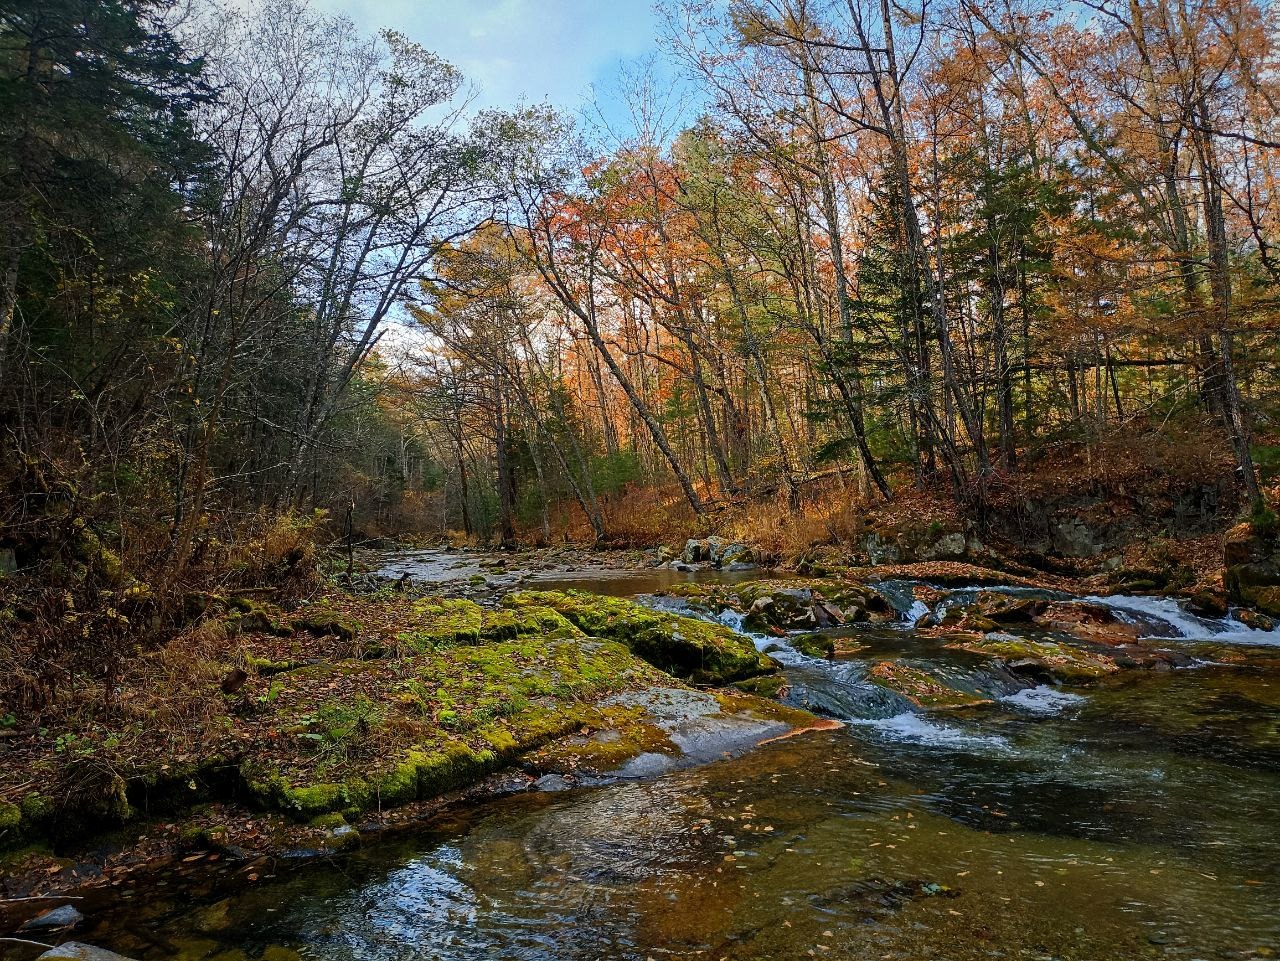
pixel 1267 600
pixel 1006 608
pixel 551 783
pixel 1256 621
pixel 76 951
pixel 1251 553
pixel 949 547
pixel 880 551
pixel 56 919
pixel 814 645
pixel 1073 538
pixel 1207 604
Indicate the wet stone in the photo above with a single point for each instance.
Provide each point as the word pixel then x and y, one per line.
pixel 57 919
pixel 551 783
pixel 81 952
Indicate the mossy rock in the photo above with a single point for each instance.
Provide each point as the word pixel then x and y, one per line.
pixel 1063 662
pixel 448 623
pixel 417 775
pixel 11 826
pixel 1256 621
pixel 814 645
pixel 1007 608
pixel 1267 600
pixel 251 616
pixel 609 737
pixel 765 685
pixel 322 621
pixel 266 667
pixel 682 646
pixel 446 718
pixel 93 554
pixel 919 687
pixel 1207 604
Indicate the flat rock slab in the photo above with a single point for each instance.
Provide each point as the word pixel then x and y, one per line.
pixel 81 952
pixel 697 725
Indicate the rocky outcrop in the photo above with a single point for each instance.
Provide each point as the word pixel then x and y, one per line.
pixel 1251 554
pixel 682 646
pixel 912 543
pixel 716 551
pixel 800 605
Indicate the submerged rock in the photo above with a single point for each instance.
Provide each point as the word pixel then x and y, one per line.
pixel 57 919
pixel 1042 660
pixel 75 951
pixel 919 687
pixel 551 783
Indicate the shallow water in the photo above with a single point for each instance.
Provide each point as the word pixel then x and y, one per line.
pixel 445 568
pixel 1137 818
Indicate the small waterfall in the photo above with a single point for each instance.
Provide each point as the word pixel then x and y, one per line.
pixel 917 610
pixel 1164 618
pixel 734 620
pixel 898 594
pixel 1042 700
pixel 913 728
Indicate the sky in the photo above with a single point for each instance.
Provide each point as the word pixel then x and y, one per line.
pixel 532 50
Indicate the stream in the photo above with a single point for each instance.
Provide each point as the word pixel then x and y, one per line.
pixel 1137 817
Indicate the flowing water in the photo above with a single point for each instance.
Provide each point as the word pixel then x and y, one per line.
pixel 1135 818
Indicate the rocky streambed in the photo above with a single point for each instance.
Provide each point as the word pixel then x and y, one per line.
pixel 994 770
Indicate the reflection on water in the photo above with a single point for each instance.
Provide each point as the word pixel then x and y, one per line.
pixel 845 845
pixel 1134 819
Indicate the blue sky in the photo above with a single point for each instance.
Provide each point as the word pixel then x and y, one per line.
pixel 554 50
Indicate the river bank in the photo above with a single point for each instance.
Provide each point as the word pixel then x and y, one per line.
pixel 497 676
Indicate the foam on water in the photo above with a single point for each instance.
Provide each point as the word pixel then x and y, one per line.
pixel 917 610
pixel 733 620
pixel 1043 699
pixel 916 729
pixel 1165 618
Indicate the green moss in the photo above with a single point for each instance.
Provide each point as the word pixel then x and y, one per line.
pixel 10 821
pixel 766 685
pixel 253 616
pixel 682 646
pixel 321 620
pixel 448 623
pixel 763 709
pixel 311 799
pixel 444 623
pixel 36 807
pixel 814 645
pixel 608 737
pixel 329 821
